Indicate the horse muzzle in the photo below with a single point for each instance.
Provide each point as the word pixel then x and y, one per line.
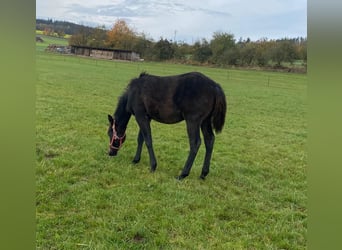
pixel 112 152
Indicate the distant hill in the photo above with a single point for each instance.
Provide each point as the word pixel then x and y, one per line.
pixel 62 27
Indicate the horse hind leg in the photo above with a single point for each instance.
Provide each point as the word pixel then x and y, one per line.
pixel 209 139
pixel 195 142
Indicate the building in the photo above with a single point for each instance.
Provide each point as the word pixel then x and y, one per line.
pixel 103 53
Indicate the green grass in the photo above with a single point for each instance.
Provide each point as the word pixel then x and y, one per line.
pixel 40 46
pixel 255 196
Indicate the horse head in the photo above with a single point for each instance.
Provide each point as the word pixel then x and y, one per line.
pixel 115 140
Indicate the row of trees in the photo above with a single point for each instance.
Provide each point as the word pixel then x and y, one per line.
pixel 222 49
pixel 59 28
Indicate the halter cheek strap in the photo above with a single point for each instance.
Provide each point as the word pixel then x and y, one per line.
pixel 116 137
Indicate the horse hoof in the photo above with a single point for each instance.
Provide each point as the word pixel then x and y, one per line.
pixel 135 161
pixel 181 177
pixel 202 177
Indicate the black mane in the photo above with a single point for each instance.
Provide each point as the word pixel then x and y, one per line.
pixel 143 74
pixel 121 107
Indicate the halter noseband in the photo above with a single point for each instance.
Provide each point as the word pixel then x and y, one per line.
pixel 116 137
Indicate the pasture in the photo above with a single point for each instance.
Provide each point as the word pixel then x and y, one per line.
pixel 255 196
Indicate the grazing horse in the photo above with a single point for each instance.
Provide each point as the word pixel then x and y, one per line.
pixel 192 97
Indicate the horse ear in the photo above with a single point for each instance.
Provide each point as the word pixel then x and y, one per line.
pixel 110 119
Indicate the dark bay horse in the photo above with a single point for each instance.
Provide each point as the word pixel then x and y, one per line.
pixel 192 97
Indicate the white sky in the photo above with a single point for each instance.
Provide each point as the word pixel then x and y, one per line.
pixel 189 20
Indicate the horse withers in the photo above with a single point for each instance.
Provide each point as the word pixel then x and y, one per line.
pixel 192 97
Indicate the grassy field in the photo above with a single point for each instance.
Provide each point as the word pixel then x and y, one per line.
pixel 255 196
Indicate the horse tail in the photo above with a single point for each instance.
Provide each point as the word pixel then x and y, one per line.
pixel 219 110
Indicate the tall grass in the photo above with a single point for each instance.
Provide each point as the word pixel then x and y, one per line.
pixel 254 197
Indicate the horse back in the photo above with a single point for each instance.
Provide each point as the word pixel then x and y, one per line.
pixel 195 94
pixel 170 99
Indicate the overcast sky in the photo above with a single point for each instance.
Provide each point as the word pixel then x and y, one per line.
pixel 188 20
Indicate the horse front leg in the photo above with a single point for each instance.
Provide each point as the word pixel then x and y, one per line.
pixel 145 130
pixel 195 142
pixel 140 141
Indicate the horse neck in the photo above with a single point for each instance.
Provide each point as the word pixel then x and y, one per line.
pixel 121 115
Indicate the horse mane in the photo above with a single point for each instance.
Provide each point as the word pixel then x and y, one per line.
pixel 143 74
pixel 121 106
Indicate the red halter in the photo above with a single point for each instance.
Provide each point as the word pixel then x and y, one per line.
pixel 116 137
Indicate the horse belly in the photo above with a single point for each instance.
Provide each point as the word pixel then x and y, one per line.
pixel 165 113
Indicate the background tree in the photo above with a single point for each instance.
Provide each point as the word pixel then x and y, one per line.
pixel 202 51
pixel 97 37
pixel 60 33
pixel 262 56
pixel 163 50
pixel 81 38
pixel 302 49
pixel 247 52
pixel 231 56
pixel 283 51
pixel 121 36
pixel 48 31
pixel 221 45
pixel 183 51
pixel 144 46
pixel 67 27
